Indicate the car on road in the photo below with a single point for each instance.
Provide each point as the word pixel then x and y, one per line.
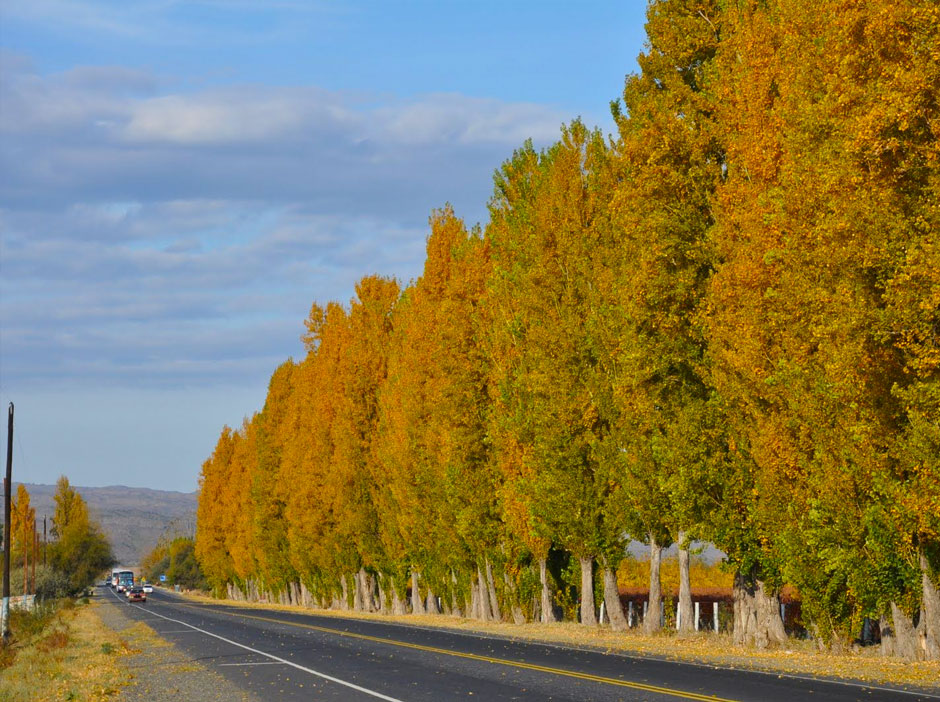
pixel 136 594
pixel 148 588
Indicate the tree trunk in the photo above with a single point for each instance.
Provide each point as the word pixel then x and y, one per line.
pixel 398 604
pixel 686 625
pixel 588 618
pixel 454 606
pixel 548 613
pixel 417 605
pixel 359 596
pixel 518 617
pixel 344 603
pixel 491 589
pixel 652 622
pixel 484 598
pixel 757 619
pixel 431 605
pixel 612 601
pixel 374 592
pixel 887 637
pixel 476 609
pixel 375 589
pixel 930 615
pixel 383 598
pixel 906 644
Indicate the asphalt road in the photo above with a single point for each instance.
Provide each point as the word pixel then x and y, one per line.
pixel 300 656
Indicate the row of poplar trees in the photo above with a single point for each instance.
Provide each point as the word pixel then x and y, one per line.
pixel 722 323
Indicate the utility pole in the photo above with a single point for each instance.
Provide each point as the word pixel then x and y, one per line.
pixel 7 482
pixel 35 555
pixel 44 539
pixel 25 557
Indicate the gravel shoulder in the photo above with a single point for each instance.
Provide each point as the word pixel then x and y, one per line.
pixel 158 670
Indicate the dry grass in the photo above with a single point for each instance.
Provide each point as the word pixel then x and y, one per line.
pixel 72 657
pixel 800 658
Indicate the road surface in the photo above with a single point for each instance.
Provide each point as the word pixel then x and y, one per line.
pixel 303 656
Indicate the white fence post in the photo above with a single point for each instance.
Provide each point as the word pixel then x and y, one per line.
pixel 715 614
pixel 697 611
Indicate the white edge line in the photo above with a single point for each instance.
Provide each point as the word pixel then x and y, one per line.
pixel 698 664
pixel 632 656
pixel 350 685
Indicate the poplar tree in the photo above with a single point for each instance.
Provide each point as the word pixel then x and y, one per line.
pixel 672 161
pixel 433 412
pixel 808 230
pixel 269 487
pixel 81 551
pixel 541 237
pixel 213 515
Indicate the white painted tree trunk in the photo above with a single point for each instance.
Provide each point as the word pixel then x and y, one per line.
pixel 491 589
pixel 476 607
pixel 383 598
pixel 887 637
pixel 686 623
pixel 612 601
pixel 398 604
pixel 757 619
pixel 588 617
pixel 518 617
pixel 359 594
pixel 483 596
pixel 651 619
pixel 344 602
pixel 906 644
pixel 417 605
pixel 431 603
pixel 548 612
pixel 454 604
pixel 930 614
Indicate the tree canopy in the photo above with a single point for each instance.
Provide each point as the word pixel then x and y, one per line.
pixel 720 322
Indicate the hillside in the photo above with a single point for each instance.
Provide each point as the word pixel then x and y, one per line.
pixel 132 518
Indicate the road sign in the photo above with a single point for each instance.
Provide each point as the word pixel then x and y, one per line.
pixel 162 578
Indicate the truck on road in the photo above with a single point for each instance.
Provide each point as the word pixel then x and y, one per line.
pixel 122 579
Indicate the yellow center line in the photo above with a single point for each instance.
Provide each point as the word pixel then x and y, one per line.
pixel 485 659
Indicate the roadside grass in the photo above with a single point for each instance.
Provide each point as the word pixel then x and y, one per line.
pixel 799 658
pixel 62 652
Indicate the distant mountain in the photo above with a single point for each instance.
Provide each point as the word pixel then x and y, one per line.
pixel 132 518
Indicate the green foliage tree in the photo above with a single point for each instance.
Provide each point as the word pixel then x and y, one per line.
pixel 547 245
pixel 81 550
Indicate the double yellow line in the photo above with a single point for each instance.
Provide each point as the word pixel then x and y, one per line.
pixel 485 659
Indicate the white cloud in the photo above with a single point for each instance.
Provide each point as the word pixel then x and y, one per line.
pixel 181 236
pixel 466 120
pixel 231 117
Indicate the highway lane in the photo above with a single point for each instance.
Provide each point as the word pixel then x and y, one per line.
pixel 303 656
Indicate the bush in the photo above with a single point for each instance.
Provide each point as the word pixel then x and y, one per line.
pixel 51 584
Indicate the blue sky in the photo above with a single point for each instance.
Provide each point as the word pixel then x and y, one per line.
pixel 179 181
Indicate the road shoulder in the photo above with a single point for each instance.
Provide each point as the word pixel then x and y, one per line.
pixel 158 670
